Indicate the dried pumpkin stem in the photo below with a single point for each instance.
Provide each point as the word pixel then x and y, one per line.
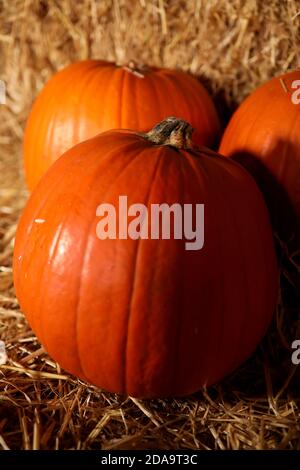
pixel 133 68
pixel 172 131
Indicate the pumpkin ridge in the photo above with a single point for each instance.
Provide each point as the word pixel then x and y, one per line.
pixel 130 86
pixel 178 315
pixel 96 177
pixel 182 290
pixel 195 162
pixel 77 303
pixel 138 110
pixel 121 104
pixel 131 296
pixel 108 99
pixel 133 116
pixel 85 84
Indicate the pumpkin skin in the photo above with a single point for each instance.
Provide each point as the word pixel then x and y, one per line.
pixel 145 317
pixel 92 96
pixel 264 136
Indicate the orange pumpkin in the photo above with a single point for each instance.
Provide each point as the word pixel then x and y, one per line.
pixel 146 317
pixel 264 136
pixel 93 96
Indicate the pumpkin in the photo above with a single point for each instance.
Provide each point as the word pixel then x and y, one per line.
pixel 146 316
pixel 93 96
pixel 264 136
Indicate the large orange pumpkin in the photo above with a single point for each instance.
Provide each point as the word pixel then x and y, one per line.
pixel 146 317
pixel 264 136
pixel 93 96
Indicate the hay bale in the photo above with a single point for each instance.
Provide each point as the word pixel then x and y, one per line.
pixel 234 47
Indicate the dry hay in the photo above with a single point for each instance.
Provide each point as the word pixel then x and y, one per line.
pixel 234 46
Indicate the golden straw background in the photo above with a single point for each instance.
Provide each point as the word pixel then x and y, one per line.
pixel 233 47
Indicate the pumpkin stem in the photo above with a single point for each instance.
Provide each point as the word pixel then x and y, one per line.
pixel 133 68
pixel 172 131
